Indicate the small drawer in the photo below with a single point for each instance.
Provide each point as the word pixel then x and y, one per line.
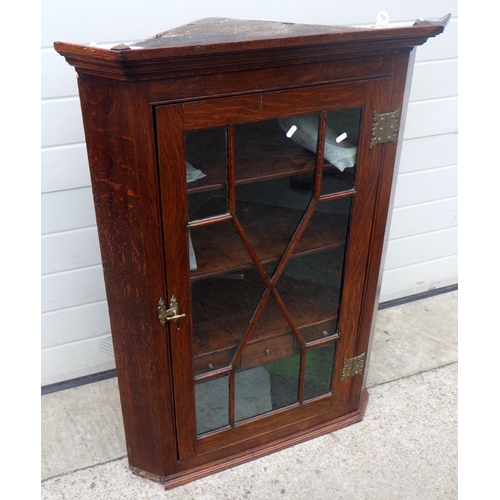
pixel 267 351
pixel 316 332
pixel 212 361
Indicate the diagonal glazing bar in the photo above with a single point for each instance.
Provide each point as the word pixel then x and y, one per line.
pixel 251 325
pixel 297 235
pixel 287 316
pixel 310 209
pixel 293 241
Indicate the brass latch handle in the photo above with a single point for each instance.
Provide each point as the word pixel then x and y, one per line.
pixel 170 314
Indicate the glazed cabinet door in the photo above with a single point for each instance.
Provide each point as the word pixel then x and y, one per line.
pixel 267 207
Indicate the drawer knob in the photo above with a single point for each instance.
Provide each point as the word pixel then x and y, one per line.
pixel 210 366
pixel 268 352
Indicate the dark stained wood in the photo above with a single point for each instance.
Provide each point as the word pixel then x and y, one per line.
pixel 269 105
pixel 174 216
pixel 385 199
pixel 137 104
pixel 127 214
pixel 270 350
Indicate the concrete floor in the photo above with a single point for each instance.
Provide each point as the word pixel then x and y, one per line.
pixel 405 448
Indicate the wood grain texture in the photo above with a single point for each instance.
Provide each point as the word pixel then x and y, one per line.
pixel 171 161
pixel 389 163
pixel 125 206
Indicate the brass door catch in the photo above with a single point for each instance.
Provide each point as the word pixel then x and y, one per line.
pixel 170 314
pixel 353 366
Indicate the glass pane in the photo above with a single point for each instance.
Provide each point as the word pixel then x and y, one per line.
pixel 271 360
pixel 341 147
pixel 272 198
pixel 267 387
pixel 207 204
pixel 319 370
pixel 252 393
pixel 284 375
pixel 269 213
pixel 212 404
pixel 274 148
pixel 222 307
pixel 206 172
pixel 311 281
pixel 309 288
pixel 281 154
pixel 215 248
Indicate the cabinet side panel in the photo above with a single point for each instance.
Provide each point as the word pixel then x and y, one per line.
pixel 119 179
pixel 385 197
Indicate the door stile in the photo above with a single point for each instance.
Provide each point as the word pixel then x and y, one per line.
pixel 172 175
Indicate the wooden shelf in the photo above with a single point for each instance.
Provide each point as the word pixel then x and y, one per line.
pixel 250 170
pixel 269 228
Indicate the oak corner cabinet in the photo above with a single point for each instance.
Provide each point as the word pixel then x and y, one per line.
pixel 242 175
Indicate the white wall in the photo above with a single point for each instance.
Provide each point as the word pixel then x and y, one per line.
pixel 422 252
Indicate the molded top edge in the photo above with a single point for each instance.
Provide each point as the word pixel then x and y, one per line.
pixel 216 35
pixel 195 45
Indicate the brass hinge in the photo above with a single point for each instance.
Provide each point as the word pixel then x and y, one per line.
pixel 169 314
pixel 353 366
pixel 385 127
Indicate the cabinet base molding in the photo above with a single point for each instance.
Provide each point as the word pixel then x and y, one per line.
pixel 187 476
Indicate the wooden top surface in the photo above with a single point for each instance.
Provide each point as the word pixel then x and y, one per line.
pixel 231 38
pixel 223 30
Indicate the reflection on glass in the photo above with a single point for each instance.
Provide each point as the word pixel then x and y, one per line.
pixel 207 204
pixel 212 404
pixel 267 387
pixel 341 149
pixel 319 370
